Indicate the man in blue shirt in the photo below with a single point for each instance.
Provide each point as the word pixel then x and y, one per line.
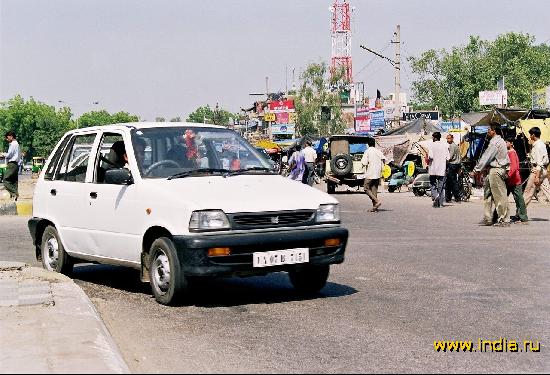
pixel 11 176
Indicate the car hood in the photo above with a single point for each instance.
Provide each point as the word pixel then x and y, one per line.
pixel 242 193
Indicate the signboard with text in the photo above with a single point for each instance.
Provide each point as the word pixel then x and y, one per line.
pixel 499 97
pixel 377 120
pixel 428 115
pixel 541 98
pixel 362 124
pixel 283 129
pixel 282 106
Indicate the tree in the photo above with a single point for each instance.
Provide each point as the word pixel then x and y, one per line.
pixel 98 118
pixel 38 126
pixel 206 115
pixel 314 94
pixel 175 119
pixel 451 80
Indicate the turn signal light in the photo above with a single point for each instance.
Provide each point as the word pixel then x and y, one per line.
pixel 332 242
pixel 219 251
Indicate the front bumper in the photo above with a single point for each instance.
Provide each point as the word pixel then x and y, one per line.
pixel 193 250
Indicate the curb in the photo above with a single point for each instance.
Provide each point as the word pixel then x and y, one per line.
pixel 65 334
pixel 21 208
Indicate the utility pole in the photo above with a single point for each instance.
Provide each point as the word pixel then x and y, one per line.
pixel 397 95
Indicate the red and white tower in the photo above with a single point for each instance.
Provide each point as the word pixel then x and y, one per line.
pixel 341 38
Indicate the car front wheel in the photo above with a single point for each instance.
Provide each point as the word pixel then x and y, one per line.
pixel 54 257
pixel 309 279
pixel 166 276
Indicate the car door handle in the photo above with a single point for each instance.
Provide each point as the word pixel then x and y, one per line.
pixel 53 192
pixel 93 195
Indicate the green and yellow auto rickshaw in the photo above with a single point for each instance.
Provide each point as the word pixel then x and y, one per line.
pixel 3 165
pixel 37 164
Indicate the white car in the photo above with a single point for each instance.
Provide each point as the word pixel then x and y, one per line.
pixel 178 201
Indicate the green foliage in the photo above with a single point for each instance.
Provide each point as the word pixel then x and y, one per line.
pixel 98 118
pixel 313 94
pixel 38 126
pixel 208 116
pixel 451 80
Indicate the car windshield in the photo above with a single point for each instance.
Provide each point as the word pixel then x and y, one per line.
pixel 177 152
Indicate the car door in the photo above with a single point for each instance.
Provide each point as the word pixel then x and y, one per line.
pixel 113 210
pixel 67 198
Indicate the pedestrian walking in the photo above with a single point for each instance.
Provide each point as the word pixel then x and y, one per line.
pixel 495 158
pixel 373 162
pixel 438 155
pixel 513 183
pixel 297 164
pixel 310 156
pixel 11 176
pixel 539 163
pixel 453 167
pixel 20 163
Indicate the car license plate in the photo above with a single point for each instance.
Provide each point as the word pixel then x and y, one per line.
pixel 280 257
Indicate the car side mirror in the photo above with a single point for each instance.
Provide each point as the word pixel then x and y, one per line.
pixel 119 176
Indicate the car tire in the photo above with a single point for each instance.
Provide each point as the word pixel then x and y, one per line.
pixel 416 192
pixel 331 187
pixel 54 257
pixel 309 279
pixel 391 189
pixel 167 280
pixel 341 164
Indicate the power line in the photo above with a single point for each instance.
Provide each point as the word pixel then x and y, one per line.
pixel 371 61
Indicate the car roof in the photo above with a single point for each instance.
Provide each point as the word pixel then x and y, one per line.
pixel 145 125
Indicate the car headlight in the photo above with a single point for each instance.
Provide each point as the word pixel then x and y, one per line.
pixel 208 220
pixel 328 213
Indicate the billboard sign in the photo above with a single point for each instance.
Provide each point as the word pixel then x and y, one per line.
pixel 447 126
pixel 377 120
pixel 362 124
pixel 282 106
pixel 499 97
pixel 428 115
pixel 283 129
pixel 541 98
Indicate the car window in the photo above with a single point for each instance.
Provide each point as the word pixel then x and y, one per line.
pixel 111 155
pixel 163 152
pixel 55 159
pixel 74 163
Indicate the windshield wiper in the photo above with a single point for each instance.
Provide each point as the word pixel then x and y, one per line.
pixel 260 169
pixel 198 171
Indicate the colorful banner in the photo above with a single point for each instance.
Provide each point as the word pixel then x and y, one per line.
pixel 363 124
pixel 446 126
pixel 269 117
pixel 283 129
pixel 282 106
pixel 282 118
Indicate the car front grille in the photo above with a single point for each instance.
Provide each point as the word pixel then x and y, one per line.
pixel 272 219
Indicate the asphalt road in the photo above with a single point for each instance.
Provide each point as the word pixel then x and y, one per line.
pixel 413 274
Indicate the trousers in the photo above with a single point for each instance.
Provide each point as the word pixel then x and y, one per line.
pixel 495 193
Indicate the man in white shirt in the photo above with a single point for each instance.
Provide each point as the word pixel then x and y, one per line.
pixel 438 155
pixel 11 175
pixel 539 162
pixel 373 160
pixel 310 156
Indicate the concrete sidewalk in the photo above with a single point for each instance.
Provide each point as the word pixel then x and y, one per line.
pixel 48 325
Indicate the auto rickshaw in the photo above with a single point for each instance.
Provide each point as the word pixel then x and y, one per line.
pixel 37 165
pixel 3 165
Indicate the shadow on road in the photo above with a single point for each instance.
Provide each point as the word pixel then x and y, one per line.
pixel 208 292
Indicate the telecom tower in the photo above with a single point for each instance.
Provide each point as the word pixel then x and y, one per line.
pixel 341 39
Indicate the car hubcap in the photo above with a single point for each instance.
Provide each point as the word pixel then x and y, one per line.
pixel 341 164
pixel 161 272
pixel 51 253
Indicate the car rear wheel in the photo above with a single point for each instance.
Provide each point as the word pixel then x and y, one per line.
pixel 309 279
pixel 54 257
pixel 168 282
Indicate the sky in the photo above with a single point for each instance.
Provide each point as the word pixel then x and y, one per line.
pixel 160 58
